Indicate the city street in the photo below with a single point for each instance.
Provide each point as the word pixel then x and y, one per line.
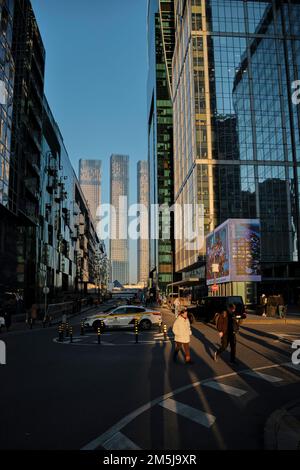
pixel 123 395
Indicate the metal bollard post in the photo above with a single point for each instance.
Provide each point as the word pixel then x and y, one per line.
pixel 71 334
pixel 44 322
pixel 136 330
pixel 99 335
pixel 102 326
pixel 60 333
pixel 67 330
pixel 81 328
pixel 165 332
pixel 160 323
pixel 31 323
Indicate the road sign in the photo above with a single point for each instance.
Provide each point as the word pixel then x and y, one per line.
pixel 214 288
pixel 46 290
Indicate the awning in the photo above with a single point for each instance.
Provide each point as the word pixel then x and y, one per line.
pixel 192 281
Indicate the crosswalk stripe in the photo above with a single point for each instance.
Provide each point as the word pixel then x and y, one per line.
pixel 199 417
pixel 237 392
pixel 266 377
pixel 120 442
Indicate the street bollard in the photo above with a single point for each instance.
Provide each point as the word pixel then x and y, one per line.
pixel 160 323
pixel 81 328
pixel 165 332
pixel 99 335
pixel 31 323
pixel 67 330
pixel 102 326
pixel 136 330
pixel 44 322
pixel 71 334
pixel 60 333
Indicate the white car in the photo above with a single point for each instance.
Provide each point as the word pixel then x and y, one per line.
pixel 124 317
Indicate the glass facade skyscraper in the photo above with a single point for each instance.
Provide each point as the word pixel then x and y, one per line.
pixel 119 246
pixel 143 241
pixel 236 129
pixel 160 134
pixel 90 182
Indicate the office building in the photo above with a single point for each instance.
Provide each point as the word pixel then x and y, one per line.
pixel 143 241
pixel 119 244
pixel 90 182
pixel 236 129
pixel 160 139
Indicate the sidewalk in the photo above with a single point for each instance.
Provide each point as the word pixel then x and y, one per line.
pixel 291 319
pixel 282 430
pixel 23 326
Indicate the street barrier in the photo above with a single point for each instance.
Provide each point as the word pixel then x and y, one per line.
pixel 165 332
pixel 60 334
pixel 136 330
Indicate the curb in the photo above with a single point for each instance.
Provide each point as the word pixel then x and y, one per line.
pixel 282 429
pixel 292 321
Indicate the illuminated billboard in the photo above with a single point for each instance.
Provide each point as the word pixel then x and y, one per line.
pixel 233 250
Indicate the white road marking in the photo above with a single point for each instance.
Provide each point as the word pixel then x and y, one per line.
pixel 199 417
pixel 120 442
pixel 266 377
pixel 98 441
pixel 237 392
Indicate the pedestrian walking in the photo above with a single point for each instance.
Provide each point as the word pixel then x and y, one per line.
pixel 177 306
pixel 7 319
pixel 182 331
pixel 227 326
pixel 34 313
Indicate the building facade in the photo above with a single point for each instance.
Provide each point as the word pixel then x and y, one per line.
pixel 236 129
pixel 47 233
pixel 160 138
pixel 143 241
pixel 90 182
pixel 7 215
pixel 119 245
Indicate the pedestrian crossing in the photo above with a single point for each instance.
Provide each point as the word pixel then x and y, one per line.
pixel 230 390
pixel 180 405
pixel 198 416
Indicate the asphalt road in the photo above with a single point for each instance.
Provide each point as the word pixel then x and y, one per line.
pixel 122 395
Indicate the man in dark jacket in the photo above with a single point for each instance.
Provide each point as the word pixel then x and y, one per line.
pixel 227 325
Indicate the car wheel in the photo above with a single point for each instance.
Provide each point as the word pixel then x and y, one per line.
pixel 145 325
pixel 97 324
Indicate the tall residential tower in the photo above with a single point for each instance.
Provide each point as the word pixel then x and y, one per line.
pixel 119 246
pixel 90 182
pixel 143 241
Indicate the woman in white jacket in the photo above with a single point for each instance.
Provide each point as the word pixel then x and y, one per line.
pixel 182 331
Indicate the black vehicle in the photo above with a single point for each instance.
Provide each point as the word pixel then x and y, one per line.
pixel 207 307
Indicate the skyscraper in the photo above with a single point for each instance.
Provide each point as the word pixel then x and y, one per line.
pixel 160 135
pixel 236 130
pixel 143 241
pixel 90 182
pixel 119 246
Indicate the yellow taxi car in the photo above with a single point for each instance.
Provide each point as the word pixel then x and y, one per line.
pixel 124 317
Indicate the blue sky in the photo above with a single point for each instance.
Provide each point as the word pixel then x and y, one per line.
pixel 96 74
